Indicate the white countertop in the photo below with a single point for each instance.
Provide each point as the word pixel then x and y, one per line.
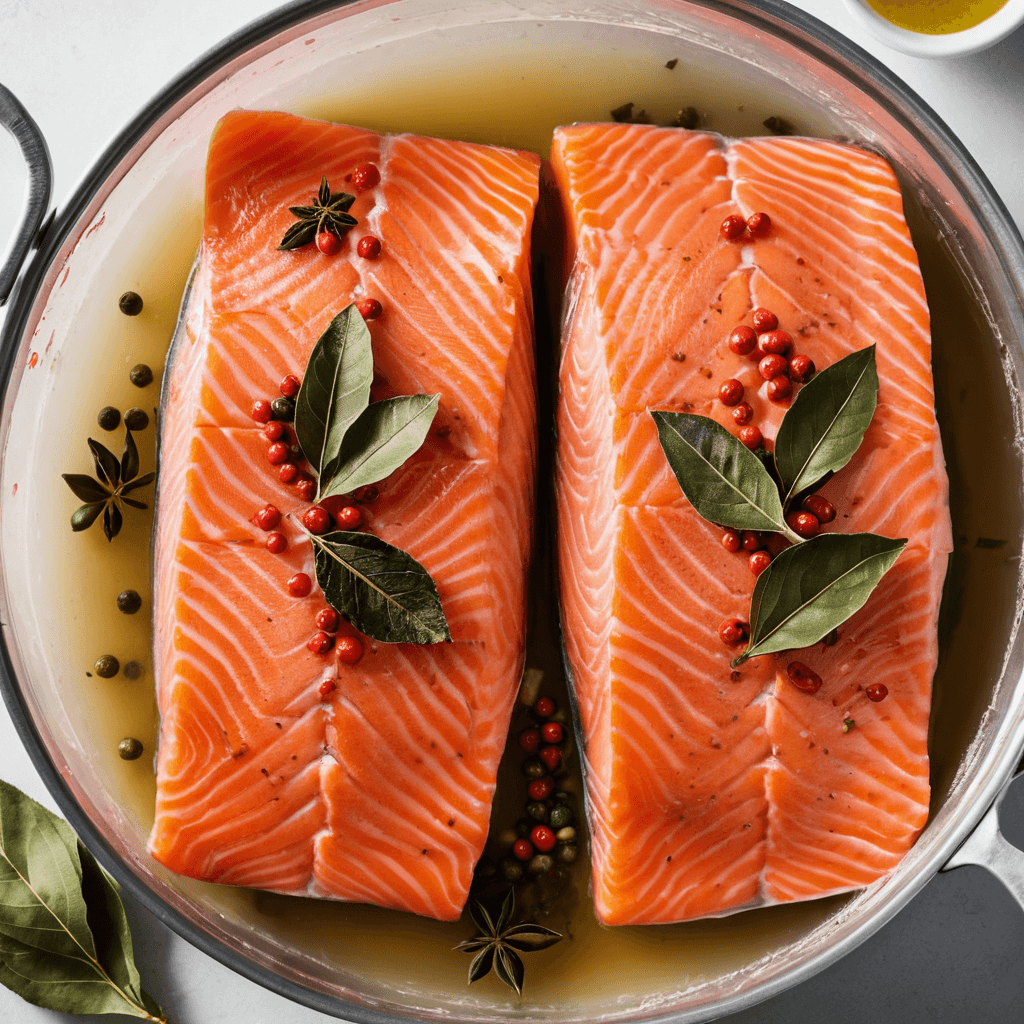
pixel 83 69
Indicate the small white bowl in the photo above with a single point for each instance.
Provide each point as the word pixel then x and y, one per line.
pixel 951 44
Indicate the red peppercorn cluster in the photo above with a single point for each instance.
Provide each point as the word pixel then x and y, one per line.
pixel 734 227
pixel 545 834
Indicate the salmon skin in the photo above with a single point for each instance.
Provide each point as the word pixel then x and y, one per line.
pixel 712 790
pixel 379 792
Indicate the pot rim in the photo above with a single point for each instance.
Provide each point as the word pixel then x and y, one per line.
pixel 819 41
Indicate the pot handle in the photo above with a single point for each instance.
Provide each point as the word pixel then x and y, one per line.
pixel 15 118
pixel 986 847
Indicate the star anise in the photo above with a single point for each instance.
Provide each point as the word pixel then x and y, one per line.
pixel 115 479
pixel 496 944
pixel 327 213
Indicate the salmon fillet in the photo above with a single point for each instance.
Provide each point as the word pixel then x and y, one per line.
pixel 380 793
pixel 712 790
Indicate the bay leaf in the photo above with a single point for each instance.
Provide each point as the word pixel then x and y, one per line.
pixel 825 425
pixel 335 388
pixel 723 480
pixel 380 441
pixel 811 588
pixel 64 940
pixel 383 591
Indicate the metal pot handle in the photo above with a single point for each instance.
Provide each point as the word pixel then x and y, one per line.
pixel 15 118
pixel 986 847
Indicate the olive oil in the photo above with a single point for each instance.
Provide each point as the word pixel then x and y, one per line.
pixel 514 99
pixel 937 17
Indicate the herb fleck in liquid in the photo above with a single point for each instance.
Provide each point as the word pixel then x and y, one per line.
pixel 516 101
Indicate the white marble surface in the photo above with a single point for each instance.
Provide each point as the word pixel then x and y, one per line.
pixel 82 69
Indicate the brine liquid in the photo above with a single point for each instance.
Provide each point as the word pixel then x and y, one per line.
pixel 517 101
pixel 937 17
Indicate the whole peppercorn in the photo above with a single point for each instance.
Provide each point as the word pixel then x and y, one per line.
pixel 876 691
pixel 733 632
pixel 820 507
pixel 774 343
pixel 731 541
pixel 366 495
pixel 326 688
pixel 349 518
pixel 277 543
pixel 742 414
pixel 803 524
pixel 742 340
pixel 759 224
pixel 369 309
pixel 268 518
pixel 368 247
pixel 107 666
pixel 752 540
pixel 552 732
pixel 779 388
pixel 130 303
pixel 533 768
pixel 567 853
pixel 316 519
pixel 764 320
pixel 537 810
pixel 141 375
pixel 328 620
pixel 543 838
pixel 541 789
pixel 733 227
pixel 529 740
pixel 274 430
pixel 136 419
pixel 545 707
pixel 287 472
pixel 751 437
pixel 560 817
pixel 773 365
pixel 511 870
pixel 731 392
pixel 283 409
pixel 801 369
pixel 289 386
pixel 364 176
pixel 129 749
pixel 328 243
pixel 278 453
pixel 129 602
pixel 300 585
pixel 261 411
pixel 109 418
pixel 803 678
pixel 758 562
pixel 306 489
pixel 551 757
pixel 132 670
pixel 522 849
pixel 320 642
pixel 349 649
pixel 541 864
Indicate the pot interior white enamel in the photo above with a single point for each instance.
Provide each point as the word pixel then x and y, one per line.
pixel 503 73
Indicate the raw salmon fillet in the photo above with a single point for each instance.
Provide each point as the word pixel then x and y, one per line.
pixel 712 790
pixel 382 792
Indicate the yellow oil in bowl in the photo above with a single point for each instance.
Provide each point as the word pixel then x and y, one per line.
pixel 936 17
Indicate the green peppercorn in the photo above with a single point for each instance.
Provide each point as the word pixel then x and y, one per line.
pixel 107 666
pixel 485 868
pixel 537 810
pixel 141 375
pixel 136 419
pixel 129 749
pixel 130 303
pixel 561 797
pixel 567 853
pixel 560 816
pixel 524 826
pixel 534 768
pixel 540 863
pixel 109 418
pixel 511 869
pixel 129 602
pixel 283 409
pixel 132 670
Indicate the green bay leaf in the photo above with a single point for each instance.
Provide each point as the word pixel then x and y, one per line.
pixel 380 441
pixel 811 588
pixel 383 591
pixel 64 940
pixel 335 388
pixel 721 478
pixel 826 423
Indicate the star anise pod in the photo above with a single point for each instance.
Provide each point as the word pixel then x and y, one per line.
pixel 327 213
pixel 115 479
pixel 496 944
